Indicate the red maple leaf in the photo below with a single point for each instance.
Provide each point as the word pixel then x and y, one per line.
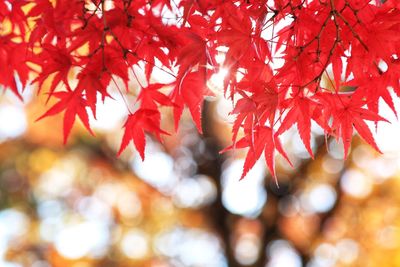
pixel 13 66
pixel 73 104
pixel 190 91
pixel 143 120
pixel 299 112
pixel 277 76
pixel 349 113
pixel 53 60
pixel 265 140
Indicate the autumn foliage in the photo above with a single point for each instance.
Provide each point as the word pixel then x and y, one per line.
pixel 288 63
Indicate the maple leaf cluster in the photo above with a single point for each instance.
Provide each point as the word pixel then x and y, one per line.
pixel 288 62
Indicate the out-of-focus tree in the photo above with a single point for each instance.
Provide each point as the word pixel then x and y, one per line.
pixel 78 205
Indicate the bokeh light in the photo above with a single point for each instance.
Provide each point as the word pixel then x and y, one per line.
pixel 80 206
pixel 245 197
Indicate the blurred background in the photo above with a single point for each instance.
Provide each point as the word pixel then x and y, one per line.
pixel 80 206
